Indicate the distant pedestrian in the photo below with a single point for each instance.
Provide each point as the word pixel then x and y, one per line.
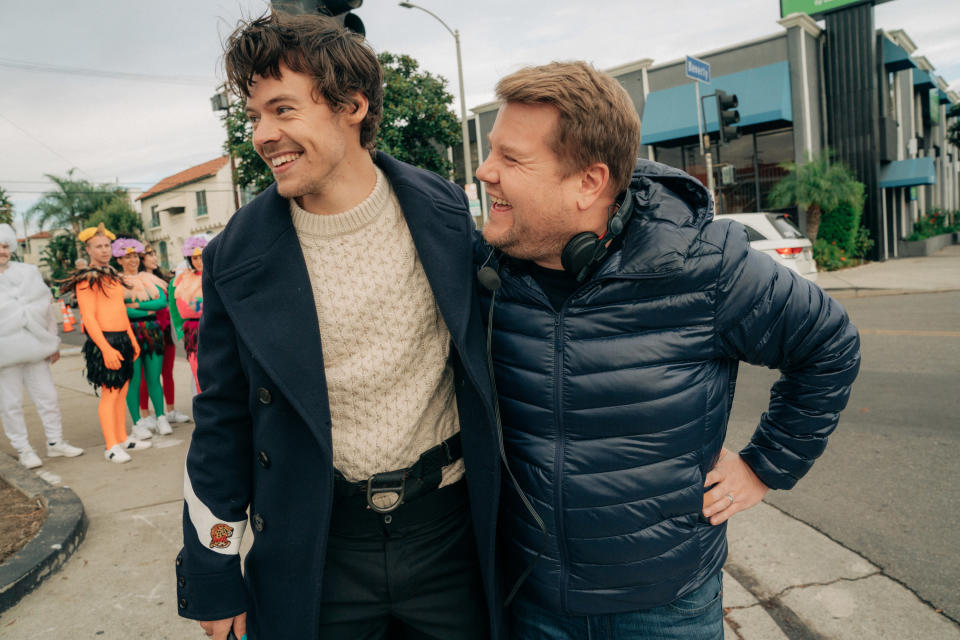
pixel 29 344
pixel 144 295
pixel 149 263
pixel 186 300
pixel 80 263
pixel 111 346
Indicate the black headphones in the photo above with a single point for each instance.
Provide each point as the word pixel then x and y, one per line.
pixel 586 250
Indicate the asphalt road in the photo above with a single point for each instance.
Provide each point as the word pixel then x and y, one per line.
pixel 887 485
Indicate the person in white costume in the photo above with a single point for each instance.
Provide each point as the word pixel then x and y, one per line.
pixel 29 344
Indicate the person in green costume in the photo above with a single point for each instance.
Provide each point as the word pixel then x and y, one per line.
pixel 144 295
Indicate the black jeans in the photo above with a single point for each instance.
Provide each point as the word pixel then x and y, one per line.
pixel 411 574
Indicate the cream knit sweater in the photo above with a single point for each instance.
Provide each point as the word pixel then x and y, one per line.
pixel 385 344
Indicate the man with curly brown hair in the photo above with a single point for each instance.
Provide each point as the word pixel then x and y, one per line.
pixel 345 402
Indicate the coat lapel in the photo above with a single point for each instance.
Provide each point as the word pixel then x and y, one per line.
pixel 270 300
pixel 441 234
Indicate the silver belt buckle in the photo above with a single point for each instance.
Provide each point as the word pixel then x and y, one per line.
pixel 388 482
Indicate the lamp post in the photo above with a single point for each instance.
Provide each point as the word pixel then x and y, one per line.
pixel 467 165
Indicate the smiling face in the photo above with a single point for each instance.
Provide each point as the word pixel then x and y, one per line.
pixel 150 261
pixel 98 248
pixel 534 202
pixel 313 151
pixel 129 262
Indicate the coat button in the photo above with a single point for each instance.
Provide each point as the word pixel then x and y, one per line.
pixel 263 395
pixel 179 559
pixel 181 581
pixel 258 522
pixel 263 459
pixel 183 603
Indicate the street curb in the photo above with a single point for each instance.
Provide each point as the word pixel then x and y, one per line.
pixel 867 292
pixel 58 538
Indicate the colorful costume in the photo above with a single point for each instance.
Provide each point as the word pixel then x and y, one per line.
pixel 186 302
pixel 110 349
pixel 169 355
pixel 144 296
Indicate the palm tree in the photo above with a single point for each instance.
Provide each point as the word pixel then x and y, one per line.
pixel 816 186
pixel 71 203
pixel 6 208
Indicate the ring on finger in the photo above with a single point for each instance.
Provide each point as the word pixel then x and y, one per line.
pixel 730 498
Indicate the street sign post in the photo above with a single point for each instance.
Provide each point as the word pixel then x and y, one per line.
pixel 698 71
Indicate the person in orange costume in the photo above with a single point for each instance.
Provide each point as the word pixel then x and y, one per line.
pixel 186 300
pixel 111 347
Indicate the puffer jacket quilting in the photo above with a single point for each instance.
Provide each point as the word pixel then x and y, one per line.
pixel 615 407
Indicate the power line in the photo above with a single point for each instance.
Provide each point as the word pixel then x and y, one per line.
pixel 45 145
pixel 23 65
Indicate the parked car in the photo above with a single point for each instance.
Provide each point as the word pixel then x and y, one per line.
pixel 776 236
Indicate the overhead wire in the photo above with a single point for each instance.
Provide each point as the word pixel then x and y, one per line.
pixel 24 65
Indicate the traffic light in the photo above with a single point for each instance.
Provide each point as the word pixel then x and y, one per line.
pixel 727 116
pixel 340 9
pixel 337 9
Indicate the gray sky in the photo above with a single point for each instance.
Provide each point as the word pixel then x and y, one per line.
pixel 136 131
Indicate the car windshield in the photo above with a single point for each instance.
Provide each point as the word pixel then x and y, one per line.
pixel 785 227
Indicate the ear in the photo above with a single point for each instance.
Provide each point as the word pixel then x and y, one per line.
pixel 360 108
pixel 594 183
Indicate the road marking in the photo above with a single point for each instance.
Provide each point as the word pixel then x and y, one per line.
pixel 910 332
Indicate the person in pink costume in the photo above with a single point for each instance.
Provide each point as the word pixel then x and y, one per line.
pixel 186 300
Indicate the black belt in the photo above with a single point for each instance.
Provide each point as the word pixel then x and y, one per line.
pixel 409 484
pixel 150 318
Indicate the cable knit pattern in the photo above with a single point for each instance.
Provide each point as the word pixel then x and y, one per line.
pixel 385 344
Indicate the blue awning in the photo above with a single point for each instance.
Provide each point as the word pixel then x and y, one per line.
pixel 922 79
pixel 763 92
pixel 944 98
pixel 895 57
pixel 907 173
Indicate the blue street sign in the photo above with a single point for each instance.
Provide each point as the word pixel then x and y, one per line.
pixel 698 69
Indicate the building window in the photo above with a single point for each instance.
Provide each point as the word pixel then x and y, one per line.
pixel 752 167
pixel 164 258
pixel 154 216
pixel 201 203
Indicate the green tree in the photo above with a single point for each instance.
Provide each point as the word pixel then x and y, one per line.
pixel 71 203
pixel 118 216
pixel 417 124
pixel 59 255
pixel 953 130
pixel 816 186
pixel 6 208
pixel 249 171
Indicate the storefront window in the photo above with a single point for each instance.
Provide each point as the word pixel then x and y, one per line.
pixel 773 148
pixel 736 185
pixel 672 156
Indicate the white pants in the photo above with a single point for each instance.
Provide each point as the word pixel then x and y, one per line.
pixel 38 380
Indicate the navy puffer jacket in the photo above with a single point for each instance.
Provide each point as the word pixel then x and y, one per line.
pixel 615 407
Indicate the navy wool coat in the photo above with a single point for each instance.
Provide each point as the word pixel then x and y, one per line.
pixel 616 405
pixel 262 444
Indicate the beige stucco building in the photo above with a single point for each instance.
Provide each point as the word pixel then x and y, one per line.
pixel 197 200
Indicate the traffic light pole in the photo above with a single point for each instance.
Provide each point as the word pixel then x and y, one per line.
pixel 708 158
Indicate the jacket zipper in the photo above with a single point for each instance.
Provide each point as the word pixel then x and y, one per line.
pixel 559 455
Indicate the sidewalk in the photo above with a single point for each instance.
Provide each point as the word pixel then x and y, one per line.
pixel 783 579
